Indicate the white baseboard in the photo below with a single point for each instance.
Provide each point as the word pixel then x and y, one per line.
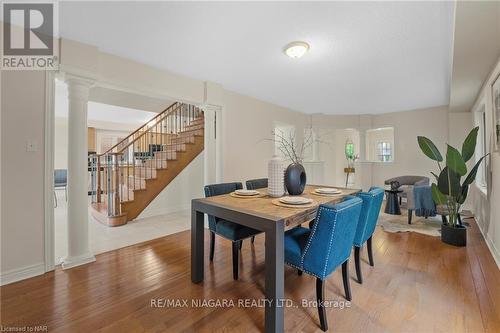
pixel 149 212
pixel 22 273
pixel 491 246
pixel 77 261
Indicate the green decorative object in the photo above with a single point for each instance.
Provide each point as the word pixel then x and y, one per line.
pixel 449 189
pixel 349 150
pixel 351 158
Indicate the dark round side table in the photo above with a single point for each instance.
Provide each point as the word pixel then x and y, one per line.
pixel 392 202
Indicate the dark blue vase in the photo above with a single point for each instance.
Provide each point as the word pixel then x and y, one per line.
pixel 295 179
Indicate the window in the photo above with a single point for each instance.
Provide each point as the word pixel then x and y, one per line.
pixel 380 145
pixel 481 148
pixel 384 151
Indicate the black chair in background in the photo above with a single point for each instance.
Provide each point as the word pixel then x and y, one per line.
pixel 254 184
pixel 61 181
pixel 234 232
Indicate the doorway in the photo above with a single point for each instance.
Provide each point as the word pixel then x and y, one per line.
pixel 103 131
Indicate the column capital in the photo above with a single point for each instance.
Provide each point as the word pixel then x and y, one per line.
pixel 78 86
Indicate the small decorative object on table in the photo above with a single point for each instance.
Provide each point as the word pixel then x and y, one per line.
pixel 275 185
pixel 295 179
pixel 449 190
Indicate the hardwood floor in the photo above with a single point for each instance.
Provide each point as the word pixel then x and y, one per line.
pixel 418 284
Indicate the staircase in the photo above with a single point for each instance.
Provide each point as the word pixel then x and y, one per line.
pixel 127 177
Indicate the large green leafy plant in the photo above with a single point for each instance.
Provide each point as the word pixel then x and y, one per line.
pixel 449 189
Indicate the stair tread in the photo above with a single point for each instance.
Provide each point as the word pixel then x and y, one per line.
pixel 134 185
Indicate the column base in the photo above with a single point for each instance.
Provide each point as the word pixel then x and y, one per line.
pixel 70 262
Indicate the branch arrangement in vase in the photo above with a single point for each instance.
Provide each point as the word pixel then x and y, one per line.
pixel 288 146
pixel 449 189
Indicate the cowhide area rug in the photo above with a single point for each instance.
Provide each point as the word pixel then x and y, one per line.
pixel 399 223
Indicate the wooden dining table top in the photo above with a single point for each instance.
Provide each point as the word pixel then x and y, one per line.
pixel 263 206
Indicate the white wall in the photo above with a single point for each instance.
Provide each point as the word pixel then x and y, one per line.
pixel 178 194
pixel 485 206
pixel 246 123
pixel 22 175
pixel 408 158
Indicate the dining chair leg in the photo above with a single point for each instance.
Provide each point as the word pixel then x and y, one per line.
pixel 345 278
pixel 320 296
pixel 212 245
pixel 358 264
pixel 253 239
pixel 299 272
pixel 370 252
pixel 236 246
pixel 410 213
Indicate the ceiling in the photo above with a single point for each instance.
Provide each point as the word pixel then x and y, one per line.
pixel 365 57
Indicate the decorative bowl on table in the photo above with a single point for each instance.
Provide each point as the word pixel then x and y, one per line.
pixel 295 200
pixel 328 190
pixel 247 193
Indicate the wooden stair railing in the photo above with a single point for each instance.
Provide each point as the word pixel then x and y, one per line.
pixel 123 171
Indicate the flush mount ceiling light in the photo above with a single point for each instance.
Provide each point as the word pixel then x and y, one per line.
pixel 296 50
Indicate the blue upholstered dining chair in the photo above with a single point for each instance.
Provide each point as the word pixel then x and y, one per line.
pixel 229 230
pixel 255 184
pixel 372 201
pixel 320 250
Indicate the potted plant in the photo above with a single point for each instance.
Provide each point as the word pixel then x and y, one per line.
pixel 449 191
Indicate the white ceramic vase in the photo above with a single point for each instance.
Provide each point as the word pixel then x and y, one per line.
pixel 275 182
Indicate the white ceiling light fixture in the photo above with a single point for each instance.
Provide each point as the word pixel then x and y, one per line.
pixel 297 49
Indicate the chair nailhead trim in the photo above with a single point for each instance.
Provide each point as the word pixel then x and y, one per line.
pixel 330 244
pixel 303 270
pixel 331 236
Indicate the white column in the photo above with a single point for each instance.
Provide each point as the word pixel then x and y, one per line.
pixel 78 238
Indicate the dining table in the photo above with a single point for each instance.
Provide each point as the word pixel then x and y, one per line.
pixel 261 213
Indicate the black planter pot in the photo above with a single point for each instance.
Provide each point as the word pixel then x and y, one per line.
pixel 454 236
pixel 295 179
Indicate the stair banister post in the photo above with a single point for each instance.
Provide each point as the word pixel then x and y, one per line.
pixel 109 173
pixel 93 176
pixel 116 204
pixel 98 193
